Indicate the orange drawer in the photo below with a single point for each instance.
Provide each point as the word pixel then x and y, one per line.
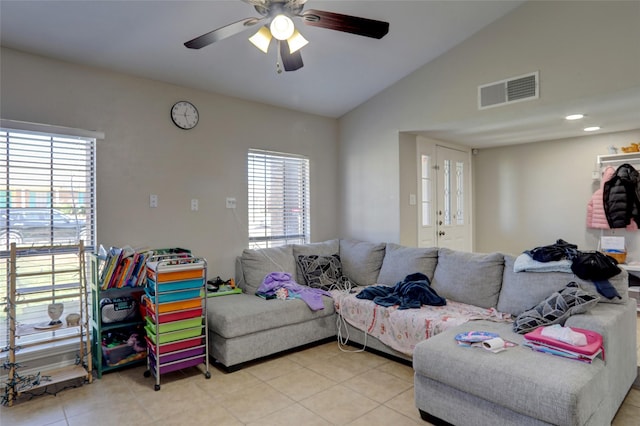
pixel 171 306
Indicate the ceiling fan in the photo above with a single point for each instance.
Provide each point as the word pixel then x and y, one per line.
pixel 276 19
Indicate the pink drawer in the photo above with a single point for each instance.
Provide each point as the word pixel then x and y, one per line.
pixel 175 346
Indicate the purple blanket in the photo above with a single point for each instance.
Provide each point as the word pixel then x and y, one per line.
pixel 277 280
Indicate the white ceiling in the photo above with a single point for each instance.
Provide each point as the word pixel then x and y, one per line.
pixel 145 38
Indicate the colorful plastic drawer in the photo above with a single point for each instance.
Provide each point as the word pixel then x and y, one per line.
pixel 175 346
pixel 177 365
pixel 171 336
pixel 173 297
pixel 171 306
pixel 173 285
pixel 176 356
pixel 174 325
pixel 175 276
pixel 175 315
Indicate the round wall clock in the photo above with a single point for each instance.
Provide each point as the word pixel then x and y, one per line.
pixel 184 115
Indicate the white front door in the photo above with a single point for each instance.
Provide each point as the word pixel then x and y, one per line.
pixel 444 198
pixel 453 200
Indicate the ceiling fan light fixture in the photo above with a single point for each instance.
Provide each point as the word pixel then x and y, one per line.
pixel 282 27
pixel 296 41
pixel 261 39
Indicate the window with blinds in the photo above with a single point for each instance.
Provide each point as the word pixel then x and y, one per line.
pixel 278 199
pixel 47 199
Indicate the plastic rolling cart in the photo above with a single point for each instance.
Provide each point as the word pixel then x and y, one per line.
pixel 175 306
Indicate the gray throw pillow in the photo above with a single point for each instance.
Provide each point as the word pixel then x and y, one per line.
pixel 320 271
pixel 556 308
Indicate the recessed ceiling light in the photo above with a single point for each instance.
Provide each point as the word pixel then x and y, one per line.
pixel 591 129
pixel 574 117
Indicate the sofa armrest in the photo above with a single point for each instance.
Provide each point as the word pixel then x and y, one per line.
pixel 617 323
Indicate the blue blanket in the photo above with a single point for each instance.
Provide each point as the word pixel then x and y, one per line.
pixel 410 293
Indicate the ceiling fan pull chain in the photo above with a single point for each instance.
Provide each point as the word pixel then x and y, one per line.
pixel 278 59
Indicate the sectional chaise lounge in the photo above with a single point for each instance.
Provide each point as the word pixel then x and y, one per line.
pixel 461 386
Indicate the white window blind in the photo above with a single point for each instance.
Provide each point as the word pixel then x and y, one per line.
pixel 278 199
pixel 47 198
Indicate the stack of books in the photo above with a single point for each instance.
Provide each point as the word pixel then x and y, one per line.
pixel 123 267
pixel 537 341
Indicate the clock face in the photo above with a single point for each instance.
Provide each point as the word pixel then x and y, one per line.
pixel 184 115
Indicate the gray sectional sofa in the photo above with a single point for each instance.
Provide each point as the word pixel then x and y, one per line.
pixel 458 385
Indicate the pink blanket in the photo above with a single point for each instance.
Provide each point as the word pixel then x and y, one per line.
pixel 403 329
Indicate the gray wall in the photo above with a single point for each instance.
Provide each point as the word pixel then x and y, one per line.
pixel 143 153
pixel 533 194
pixel 559 39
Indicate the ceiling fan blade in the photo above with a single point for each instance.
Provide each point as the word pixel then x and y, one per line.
pixel 221 33
pixel 290 61
pixel 256 2
pixel 346 23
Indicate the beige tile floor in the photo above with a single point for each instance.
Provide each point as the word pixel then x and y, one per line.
pixel 316 386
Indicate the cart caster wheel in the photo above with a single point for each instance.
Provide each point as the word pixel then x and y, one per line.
pixel 207 375
pixel 156 387
pixel 147 373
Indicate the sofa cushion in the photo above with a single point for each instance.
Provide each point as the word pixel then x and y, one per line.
pixel 400 261
pixel 472 278
pixel 324 248
pixel 320 271
pixel 257 264
pixel 241 314
pixel 556 308
pixel 521 290
pixel 361 261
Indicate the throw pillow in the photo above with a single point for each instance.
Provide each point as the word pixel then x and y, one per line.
pixel 556 308
pixel 320 271
pixel 324 248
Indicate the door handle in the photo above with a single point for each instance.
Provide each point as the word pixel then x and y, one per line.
pixel 440 222
pixel 441 233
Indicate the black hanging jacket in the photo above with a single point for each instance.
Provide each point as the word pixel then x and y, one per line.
pixel 622 197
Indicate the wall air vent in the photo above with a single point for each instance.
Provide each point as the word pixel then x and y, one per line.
pixel 516 89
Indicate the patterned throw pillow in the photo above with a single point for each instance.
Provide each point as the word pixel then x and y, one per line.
pixel 320 271
pixel 556 308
